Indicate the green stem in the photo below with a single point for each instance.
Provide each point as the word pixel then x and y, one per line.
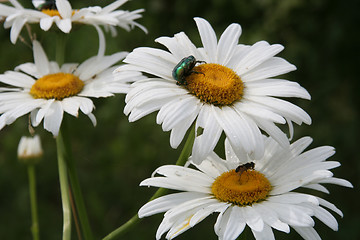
pixel 184 156
pixel 60 48
pixel 69 162
pixel 33 202
pixel 64 187
pixel 75 185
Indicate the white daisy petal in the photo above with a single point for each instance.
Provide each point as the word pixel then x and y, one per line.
pixel 53 118
pixel 253 219
pixel 28 68
pixel 337 181
pixel 227 43
pixel 69 67
pixel 40 58
pixel 213 166
pixel 271 218
pixel 178 132
pixel 39 115
pixel 204 212
pixel 257 54
pixel 205 143
pixel 188 207
pixel 331 206
pixel 277 87
pixel 257 111
pixel 307 233
pixel 266 233
pixel 236 128
pixel 324 216
pixel 235 224
pixel 46 23
pixel 203 191
pixel 92 119
pixel 64 8
pixel 176 112
pixel 273 131
pixel 163 227
pixel 148 61
pixel 101 51
pixel 272 67
pixel 294 198
pixel 317 187
pixel 208 39
pixel 10 116
pixel 180 46
pixel 294 215
pixel 176 184
pixel 111 7
pixel 188 173
pixel 221 222
pixel 16 28
pixel 17 79
pixel 70 106
pixel 167 202
pixel 64 25
pixel 33 116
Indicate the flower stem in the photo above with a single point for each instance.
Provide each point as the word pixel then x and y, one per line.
pixel 184 156
pixel 74 181
pixel 64 187
pixel 60 48
pixel 33 202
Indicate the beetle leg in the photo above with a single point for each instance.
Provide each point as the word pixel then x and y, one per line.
pixel 200 62
pixel 197 72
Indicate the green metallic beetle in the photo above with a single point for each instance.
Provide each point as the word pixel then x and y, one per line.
pixel 44 4
pixel 184 69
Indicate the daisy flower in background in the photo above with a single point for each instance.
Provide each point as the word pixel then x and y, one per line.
pixel 232 89
pixel 46 90
pixel 63 15
pixel 261 194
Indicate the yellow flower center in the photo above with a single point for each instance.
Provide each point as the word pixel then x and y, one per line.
pixel 54 12
pixel 57 86
pixel 241 189
pixel 215 84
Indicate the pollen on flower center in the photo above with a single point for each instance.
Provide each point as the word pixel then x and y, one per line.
pixel 241 189
pixel 54 12
pixel 215 84
pixel 57 86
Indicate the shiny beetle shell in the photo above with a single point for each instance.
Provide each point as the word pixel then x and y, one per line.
pixel 44 4
pixel 184 69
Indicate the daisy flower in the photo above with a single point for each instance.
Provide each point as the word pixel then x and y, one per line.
pixel 231 90
pixel 261 194
pixel 46 90
pixel 63 15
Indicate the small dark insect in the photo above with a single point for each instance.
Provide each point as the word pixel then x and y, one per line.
pixel 184 69
pixel 244 167
pixel 44 4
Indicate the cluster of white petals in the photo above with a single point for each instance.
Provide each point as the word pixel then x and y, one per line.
pixel 16 16
pixel 287 169
pixel 95 72
pixel 260 108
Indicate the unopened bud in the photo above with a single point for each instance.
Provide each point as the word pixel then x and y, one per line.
pixel 30 150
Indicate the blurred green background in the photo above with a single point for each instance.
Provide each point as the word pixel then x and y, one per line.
pixel 321 38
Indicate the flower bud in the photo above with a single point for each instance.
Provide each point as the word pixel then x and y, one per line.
pixel 30 150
